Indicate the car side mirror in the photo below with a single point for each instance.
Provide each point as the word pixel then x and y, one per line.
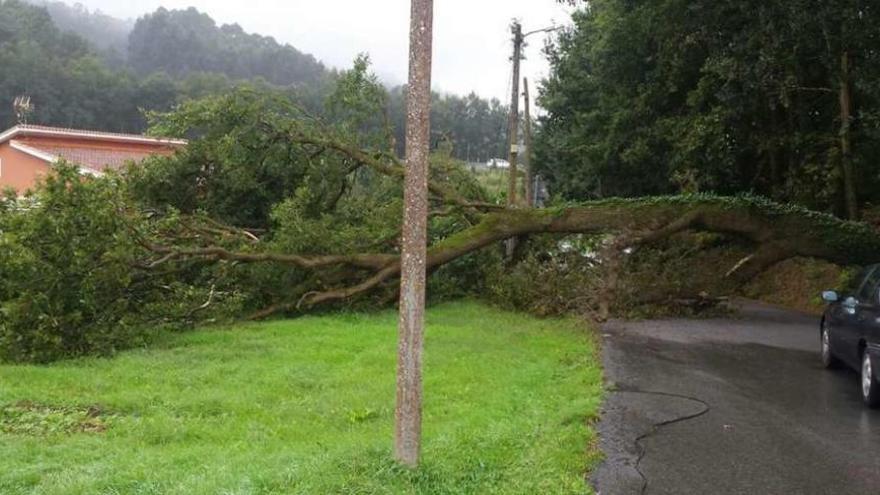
pixel 830 296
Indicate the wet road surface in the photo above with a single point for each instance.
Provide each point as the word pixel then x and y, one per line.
pixel 732 406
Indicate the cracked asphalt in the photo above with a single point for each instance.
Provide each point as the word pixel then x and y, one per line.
pixel 732 406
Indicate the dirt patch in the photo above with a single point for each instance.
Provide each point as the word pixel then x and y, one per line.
pixel 30 418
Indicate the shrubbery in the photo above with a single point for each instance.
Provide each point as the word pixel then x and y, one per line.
pixel 82 266
pixel 74 279
pixel 67 287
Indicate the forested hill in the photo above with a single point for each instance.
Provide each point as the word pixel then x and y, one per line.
pixel 180 42
pixel 107 34
pixel 88 70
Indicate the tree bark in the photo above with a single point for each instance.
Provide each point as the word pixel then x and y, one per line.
pixel 846 162
pixel 408 411
pixel 777 231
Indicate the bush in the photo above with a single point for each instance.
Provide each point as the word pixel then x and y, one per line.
pixel 67 287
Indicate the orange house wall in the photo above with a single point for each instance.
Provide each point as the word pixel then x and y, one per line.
pixel 18 170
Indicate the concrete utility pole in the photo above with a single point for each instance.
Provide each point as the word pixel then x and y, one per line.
pixel 411 326
pixel 513 123
pixel 527 158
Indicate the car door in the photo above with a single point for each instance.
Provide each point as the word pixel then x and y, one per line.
pixel 842 317
pixel 865 310
pixel 869 319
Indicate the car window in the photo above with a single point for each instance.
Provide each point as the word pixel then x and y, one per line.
pixel 869 287
pixel 854 282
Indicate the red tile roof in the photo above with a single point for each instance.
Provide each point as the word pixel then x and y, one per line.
pixel 93 150
pixel 97 159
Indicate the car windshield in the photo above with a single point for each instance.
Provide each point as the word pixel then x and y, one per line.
pixel 854 283
pixel 869 284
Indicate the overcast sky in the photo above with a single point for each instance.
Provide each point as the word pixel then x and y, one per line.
pixel 472 39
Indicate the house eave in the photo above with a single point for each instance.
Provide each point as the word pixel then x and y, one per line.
pixel 18 130
pixel 50 158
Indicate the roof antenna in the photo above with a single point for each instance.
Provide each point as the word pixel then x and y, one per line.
pixel 23 109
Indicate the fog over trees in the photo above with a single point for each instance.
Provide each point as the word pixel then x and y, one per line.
pixel 86 69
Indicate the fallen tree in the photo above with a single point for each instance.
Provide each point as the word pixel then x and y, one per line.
pixel 778 232
pixel 269 184
pixel 269 214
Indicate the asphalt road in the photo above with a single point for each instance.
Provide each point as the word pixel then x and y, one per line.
pixel 732 406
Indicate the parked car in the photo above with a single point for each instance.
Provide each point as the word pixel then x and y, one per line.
pixel 850 331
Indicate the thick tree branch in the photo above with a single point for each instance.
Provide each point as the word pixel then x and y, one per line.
pixel 779 232
pixel 369 261
pixel 389 165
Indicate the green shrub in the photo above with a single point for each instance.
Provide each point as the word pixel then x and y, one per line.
pixel 67 287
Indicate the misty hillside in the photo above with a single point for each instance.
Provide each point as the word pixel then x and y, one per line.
pixel 182 42
pixel 106 33
pixel 68 60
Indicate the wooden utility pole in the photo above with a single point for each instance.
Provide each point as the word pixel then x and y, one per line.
pixel 527 158
pixel 513 123
pixel 411 326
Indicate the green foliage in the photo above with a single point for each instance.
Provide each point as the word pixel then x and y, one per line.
pixel 241 164
pixel 303 199
pixel 305 406
pixel 74 84
pixel 75 278
pixel 729 97
pixel 359 106
pixel 246 166
pixel 67 287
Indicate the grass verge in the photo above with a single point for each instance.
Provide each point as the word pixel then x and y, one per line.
pixel 306 406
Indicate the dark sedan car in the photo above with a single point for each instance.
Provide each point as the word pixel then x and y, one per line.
pixel 850 331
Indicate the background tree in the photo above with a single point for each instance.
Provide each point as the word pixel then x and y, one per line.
pixel 706 96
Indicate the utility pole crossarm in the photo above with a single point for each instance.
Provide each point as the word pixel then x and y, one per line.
pixel 545 30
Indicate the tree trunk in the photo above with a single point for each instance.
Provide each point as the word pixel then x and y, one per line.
pixel 846 162
pixel 778 232
pixel 408 412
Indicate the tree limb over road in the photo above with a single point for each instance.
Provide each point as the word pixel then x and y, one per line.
pixel 778 232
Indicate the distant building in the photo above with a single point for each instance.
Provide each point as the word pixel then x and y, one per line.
pixel 27 152
pixel 498 163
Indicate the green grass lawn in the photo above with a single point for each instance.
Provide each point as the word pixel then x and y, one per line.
pixel 306 406
pixel 495 182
